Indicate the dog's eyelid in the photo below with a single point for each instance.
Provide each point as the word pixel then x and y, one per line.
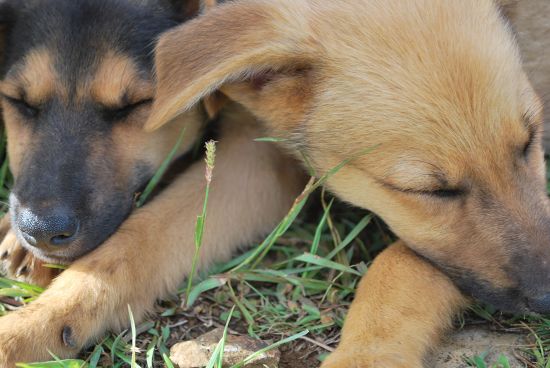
pixel 534 132
pixel 123 110
pixel 126 103
pixel 21 103
pixel 446 193
pixel 438 192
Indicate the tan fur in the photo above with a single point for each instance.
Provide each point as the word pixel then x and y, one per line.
pixel 115 79
pixel 117 274
pixel 37 80
pixel 435 93
pixel 402 311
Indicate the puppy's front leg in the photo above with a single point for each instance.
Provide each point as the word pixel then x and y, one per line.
pixel 400 308
pixel 253 187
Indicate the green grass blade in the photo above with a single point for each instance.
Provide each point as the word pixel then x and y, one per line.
pixel 270 139
pixel 352 235
pixel 204 286
pixel 96 355
pixel 133 329
pixel 160 172
pixel 310 258
pixel 216 359
pixel 253 356
pixel 167 361
pixel 199 227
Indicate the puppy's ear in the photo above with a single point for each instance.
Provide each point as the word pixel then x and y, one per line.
pixel 259 52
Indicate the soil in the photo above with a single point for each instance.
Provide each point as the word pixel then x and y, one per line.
pixel 299 356
pixel 458 346
pixel 471 341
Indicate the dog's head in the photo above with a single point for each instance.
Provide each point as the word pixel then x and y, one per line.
pixel 436 87
pixel 76 86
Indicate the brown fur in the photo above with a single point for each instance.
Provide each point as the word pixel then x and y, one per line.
pixel 36 80
pixel 306 84
pixel 436 93
pixel 109 275
pixel 115 79
pixel 93 295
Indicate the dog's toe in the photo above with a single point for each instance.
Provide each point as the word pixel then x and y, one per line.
pixel 34 271
pixel 19 264
pixel 11 254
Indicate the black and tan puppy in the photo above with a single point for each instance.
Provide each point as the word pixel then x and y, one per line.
pixel 458 172
pixel 76 86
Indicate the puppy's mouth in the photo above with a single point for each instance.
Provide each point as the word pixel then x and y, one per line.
pixel 513 300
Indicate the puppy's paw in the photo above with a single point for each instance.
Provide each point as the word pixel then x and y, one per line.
pixel 19 264
pixel 360 359
pixel 29 334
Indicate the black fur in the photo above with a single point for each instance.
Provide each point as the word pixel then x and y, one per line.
pixel 57 170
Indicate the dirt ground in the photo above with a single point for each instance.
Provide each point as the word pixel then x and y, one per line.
pixel 472 341
pixel 459 345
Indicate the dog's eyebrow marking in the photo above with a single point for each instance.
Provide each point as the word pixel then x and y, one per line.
pixel 117 83
pixel 35 78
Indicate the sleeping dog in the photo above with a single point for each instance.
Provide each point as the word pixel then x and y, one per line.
pixel 457 173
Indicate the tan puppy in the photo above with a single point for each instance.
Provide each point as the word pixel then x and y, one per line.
pixel 437 87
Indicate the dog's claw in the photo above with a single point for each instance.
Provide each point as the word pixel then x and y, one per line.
pixel 23 271
pixel 19 264
pixel 68 338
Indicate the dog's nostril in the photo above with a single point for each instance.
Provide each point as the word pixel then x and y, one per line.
pixel 62 239
pixel 55 230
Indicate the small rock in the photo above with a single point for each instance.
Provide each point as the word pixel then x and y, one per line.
pixel 196 353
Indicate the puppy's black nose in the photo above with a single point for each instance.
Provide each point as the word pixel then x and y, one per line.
pixel 58 228
pixel 540 305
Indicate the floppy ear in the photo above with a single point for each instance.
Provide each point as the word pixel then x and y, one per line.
pixel 261 49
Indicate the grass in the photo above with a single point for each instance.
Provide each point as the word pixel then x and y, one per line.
pixel 293 289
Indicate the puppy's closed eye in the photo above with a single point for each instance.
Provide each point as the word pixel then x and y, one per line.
pixel 435 192
pixel 122 112
pixel 447 193
pixel 24 107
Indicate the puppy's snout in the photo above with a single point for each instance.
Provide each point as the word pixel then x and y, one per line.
pixel 56 229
